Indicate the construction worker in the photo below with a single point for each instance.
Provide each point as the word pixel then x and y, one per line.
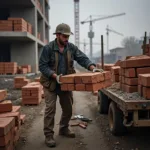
pixel 56 60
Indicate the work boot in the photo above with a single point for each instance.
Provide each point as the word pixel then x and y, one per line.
pixel 49 141
pixel 67 133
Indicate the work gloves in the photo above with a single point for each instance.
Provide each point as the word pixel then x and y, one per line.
pixel 97 70
pixel 58 78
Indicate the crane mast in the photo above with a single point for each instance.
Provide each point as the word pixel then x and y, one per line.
pixel 76 22
pixel 91 33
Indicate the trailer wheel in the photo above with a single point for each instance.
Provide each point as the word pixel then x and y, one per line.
pixel 115 118
pixel 103 103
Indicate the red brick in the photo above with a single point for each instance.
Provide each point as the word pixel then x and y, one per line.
pixel 140 90
pixel 107 83
pixel 71 87
pixel 16 115
pixel 80 87
pixel 67 78
pixel 115 78
pixel 131 73
pixel 6 124
pixel 146 93
pixel 131 81
pixel 115 70
pixel 131 89
pixel 3 94
pixel 94 87
pixel 123 87
pixel 64 87
pixel 123 79
pixel 144 79
pixel 118 63
pixel 143 70
pixel 16 108
pixel 90 78
pixel 78 79
pixel 5 106
pixel 5 139
pixel 120 78
pixel 137 61
pixel 107 75
pixel 139 80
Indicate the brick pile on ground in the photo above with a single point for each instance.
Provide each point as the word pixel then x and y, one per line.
pixel 10 67
pixel 6 25
pixel 86 81
pixel 19 82
pixel 115 73
pixel 24 69
pixel 107 67
pixel 10 122
pixel 130 70
pixel 38 80
pixel 144 85
pixel 13 68
pixel 32 94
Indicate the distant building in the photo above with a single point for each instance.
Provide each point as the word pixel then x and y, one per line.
pixel 120 53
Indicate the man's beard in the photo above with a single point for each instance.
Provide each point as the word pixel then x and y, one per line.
pixel 62 42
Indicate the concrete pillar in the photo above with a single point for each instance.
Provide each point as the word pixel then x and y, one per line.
pixel 25 53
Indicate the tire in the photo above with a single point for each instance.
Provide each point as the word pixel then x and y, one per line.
pixel 115 118
pixel 103 103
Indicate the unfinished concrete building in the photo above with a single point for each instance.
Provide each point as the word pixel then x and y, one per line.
pixel 22 41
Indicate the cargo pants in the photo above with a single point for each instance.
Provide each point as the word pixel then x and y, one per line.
pixel 66 102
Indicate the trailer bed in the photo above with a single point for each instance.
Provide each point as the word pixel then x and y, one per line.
pixel 126 101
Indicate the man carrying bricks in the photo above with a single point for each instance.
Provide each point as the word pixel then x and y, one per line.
pixel 56 60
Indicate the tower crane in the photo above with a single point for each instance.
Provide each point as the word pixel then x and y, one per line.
pixel 91 33
pixel 76 22
pixel 111 30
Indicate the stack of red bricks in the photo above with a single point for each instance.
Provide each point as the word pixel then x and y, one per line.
pixel 2 66
pixel 24 69
pixel 6 25
pixel 115 73
pixel 86 81
pixel 10 67
pixel 130 70
pixel 107 67
pixel 10 121
pixel 144 85
pixel 19 24
pixel 19 82
pixel 32 94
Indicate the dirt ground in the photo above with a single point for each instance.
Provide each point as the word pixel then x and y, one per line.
pixel 96 137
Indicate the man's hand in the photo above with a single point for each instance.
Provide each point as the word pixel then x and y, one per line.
pixel 97 70
pixel 58 79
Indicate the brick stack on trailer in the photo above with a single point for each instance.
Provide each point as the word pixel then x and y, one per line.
pixel 130 70
pixel 115 73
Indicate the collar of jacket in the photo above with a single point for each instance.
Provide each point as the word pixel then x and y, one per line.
pixel 56 48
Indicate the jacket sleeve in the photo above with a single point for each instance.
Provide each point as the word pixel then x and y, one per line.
pixel 44 61
pixel 81 58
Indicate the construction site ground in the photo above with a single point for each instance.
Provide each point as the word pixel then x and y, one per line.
pixel 96 137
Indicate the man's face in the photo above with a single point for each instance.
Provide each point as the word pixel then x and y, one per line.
pixel 63 39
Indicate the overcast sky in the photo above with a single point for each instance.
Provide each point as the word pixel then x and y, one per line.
pixel 134 23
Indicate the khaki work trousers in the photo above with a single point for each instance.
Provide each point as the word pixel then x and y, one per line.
pixel 66 102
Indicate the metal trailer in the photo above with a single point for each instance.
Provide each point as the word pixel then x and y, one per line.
pixel 123 113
